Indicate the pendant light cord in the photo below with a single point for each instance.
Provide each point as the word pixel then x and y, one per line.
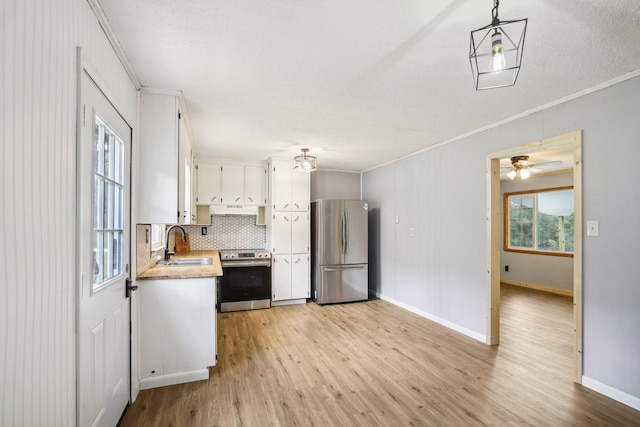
pixel 494 13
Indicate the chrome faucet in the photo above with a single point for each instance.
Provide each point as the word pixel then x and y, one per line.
pixel 167 254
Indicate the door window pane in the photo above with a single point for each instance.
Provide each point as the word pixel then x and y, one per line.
pixel 108 205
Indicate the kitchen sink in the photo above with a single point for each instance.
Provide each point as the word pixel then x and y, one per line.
pixel 186 262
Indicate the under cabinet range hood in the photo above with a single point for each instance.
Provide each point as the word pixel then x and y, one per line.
pixel 227 210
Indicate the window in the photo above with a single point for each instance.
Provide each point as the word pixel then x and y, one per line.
pixel 539 221
pixel 108 205
pixel 157 237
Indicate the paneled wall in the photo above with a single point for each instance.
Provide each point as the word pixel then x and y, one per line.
pixel 335 185
pixel 440 268
pixel 37 157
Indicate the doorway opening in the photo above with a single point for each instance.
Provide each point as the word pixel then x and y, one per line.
pixel 573 142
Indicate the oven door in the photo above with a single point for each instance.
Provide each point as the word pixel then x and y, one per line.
pixel 244 283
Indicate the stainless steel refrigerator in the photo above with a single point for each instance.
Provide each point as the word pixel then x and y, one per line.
pixel 339 251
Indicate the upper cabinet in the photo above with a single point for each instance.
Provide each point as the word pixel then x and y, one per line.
pixel 164 165
pixel 289 189
pixel 231 184
pixel 255 185
pixel 209 183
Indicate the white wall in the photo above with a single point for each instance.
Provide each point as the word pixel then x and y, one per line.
pixel 334 185
pixel 534 269
pixel 37 259
pixel 442 271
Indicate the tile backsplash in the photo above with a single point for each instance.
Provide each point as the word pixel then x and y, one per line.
pixel 228 232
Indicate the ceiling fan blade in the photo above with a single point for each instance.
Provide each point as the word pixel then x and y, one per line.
pixel 547 164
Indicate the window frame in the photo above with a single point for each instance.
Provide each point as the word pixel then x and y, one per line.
pixel 506 229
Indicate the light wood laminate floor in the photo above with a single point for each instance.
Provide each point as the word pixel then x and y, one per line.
pixel 374 364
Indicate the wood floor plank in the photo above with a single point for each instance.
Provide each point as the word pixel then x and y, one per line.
pixel 374 364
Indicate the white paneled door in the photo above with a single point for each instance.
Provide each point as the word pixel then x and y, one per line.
pixel 104 228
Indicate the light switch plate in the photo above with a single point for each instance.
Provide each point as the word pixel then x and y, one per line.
pixel 593 228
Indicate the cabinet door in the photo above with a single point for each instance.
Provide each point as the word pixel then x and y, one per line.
pixel 184 173
pixel 232 184
pixel 158 171
pixel 209 180
pixel 254 180
pixel 300 188
pixel 281 185
pixel 281 277
pixel 300 232
pixel 300 283
pixel 281 233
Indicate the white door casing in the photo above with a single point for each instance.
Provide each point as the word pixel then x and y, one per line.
pixel 104 152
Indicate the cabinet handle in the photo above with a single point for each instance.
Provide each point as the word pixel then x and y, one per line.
pixel 285 206
pixel 250 199
pixel 297 205
pixel 287 261
pixel 298 260
pixel 297 218
pixel 286 219
pixel 213 198
pixel 237 199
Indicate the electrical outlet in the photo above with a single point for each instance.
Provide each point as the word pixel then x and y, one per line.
pixel 506 268
pixel 203 230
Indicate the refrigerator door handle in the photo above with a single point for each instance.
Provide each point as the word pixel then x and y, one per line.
pixel 342 233
pixel 346 232
pixel 346 267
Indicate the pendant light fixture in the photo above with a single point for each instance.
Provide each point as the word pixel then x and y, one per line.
pixel 495 51
pixel 304 162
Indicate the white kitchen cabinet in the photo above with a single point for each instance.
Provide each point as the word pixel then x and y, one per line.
pixel 281 233
pixel 289 189
pixel 177 330
pixel 290 277
pixel 300 276
pixel 209 183
pixel 300 232
pixel 232 184
pixel 300 191
pixel 288 232
pixel 255 183
pixel 158 150
pixel 221 183
pixel 184 174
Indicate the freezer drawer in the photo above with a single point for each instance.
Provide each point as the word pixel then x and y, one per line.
pixel 340 283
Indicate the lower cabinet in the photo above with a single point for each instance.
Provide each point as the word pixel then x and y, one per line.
pixel 290 277
pixel 177 330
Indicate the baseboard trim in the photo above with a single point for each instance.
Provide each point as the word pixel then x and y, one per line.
pixel 557 291
pixel 614 393
pixel 468 332
pixel 171 379
pixel 288 302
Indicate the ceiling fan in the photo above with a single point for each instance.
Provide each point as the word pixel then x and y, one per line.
pixel 520 166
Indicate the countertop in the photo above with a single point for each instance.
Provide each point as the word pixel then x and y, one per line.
pixel 187 272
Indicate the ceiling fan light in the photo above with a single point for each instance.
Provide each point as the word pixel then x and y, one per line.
pixel 305 162
pixel 512 174
pixel 524 173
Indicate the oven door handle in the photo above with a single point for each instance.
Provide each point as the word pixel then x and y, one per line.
pixel 257 263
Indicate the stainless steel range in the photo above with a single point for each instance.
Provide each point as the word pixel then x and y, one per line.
pixel 246 280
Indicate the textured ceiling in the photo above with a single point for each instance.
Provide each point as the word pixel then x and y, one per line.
pixel 364 82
